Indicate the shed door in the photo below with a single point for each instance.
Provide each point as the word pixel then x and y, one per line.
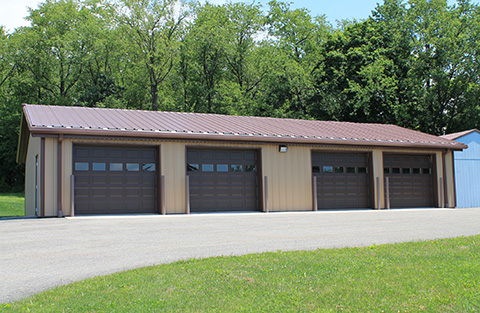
pixel 342 180
pixel 223 180
pixel 115 180
pixel 411 180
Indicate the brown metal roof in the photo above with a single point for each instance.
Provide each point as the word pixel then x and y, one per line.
pixel 454 136
pixel 43 119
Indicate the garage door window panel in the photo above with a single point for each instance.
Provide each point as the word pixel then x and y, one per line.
pixel 207 167
pixel 236 167
pixel 116 167
pixel 81 166
pixel 193 167
pixel 148 167
pixel 328 169
pixel 222 167
pixel 99 167
pixel 132 167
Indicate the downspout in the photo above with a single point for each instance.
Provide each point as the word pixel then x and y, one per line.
pixel 454 205
pixel 445 203
pixel 42 176
pixel 59 175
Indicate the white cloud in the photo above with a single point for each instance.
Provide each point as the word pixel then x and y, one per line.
pixel 13 12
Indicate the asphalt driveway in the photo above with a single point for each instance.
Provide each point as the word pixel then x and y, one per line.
pixel 38 254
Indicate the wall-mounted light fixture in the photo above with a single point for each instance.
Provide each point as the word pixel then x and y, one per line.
pixel 282 148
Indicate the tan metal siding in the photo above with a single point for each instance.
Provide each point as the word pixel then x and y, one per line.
pixel 439 169
pixel 174 169
pixel 289 178
pixel 67 148
pixel 33 150
pixel 449 179
pixel 51 176
pixel 379 191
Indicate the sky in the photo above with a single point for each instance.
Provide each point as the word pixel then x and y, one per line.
pixel 13 12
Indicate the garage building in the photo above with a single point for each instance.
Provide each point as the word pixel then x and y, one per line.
pixel 82 161
pixel 467 168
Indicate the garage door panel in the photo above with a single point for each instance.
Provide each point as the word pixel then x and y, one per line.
pixel 99 180
pixel 239 191
pixel 222 191
pixel 223 180
pixel 206 155
pixel 132 179
pixel 148 180
pixel 340 183
pixel 82 152
pixel 227 178
pixel 240 180
pixel 82 192
pixel 148 154
pixel 148 192
pixel 115 192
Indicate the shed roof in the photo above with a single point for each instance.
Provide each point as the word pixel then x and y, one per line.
pixel 454 136
pixel 45 119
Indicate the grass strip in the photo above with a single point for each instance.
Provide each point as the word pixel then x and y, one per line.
pixel 430 276
pixel 12 204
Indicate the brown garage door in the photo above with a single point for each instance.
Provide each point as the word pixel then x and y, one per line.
pixel 342 180
pixel 115 180
pixel 223 180
pixel 411 180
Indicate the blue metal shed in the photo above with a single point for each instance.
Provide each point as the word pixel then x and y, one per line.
pixel 467 168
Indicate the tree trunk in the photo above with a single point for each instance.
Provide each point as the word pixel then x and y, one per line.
pixel 154 92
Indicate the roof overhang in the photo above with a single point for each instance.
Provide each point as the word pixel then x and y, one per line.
pixel 23 139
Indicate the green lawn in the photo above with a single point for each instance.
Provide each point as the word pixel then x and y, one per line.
pixel 12 204
pixel 432 276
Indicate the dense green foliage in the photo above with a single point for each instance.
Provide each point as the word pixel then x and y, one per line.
pixel 413 63
pixel 12 205
pixel 431 276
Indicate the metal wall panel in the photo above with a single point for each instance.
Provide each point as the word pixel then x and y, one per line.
pixel 467 172
pixel 33 150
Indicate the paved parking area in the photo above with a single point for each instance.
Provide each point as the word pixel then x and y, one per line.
pixel 38 254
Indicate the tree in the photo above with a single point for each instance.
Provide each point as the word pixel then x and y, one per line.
pixel 363 70
pixel 103 77
pixel 154 27
pixel 55 48
pixel 297 38
pixel 445 63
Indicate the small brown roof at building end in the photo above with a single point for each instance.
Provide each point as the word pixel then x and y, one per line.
pixel 454 136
